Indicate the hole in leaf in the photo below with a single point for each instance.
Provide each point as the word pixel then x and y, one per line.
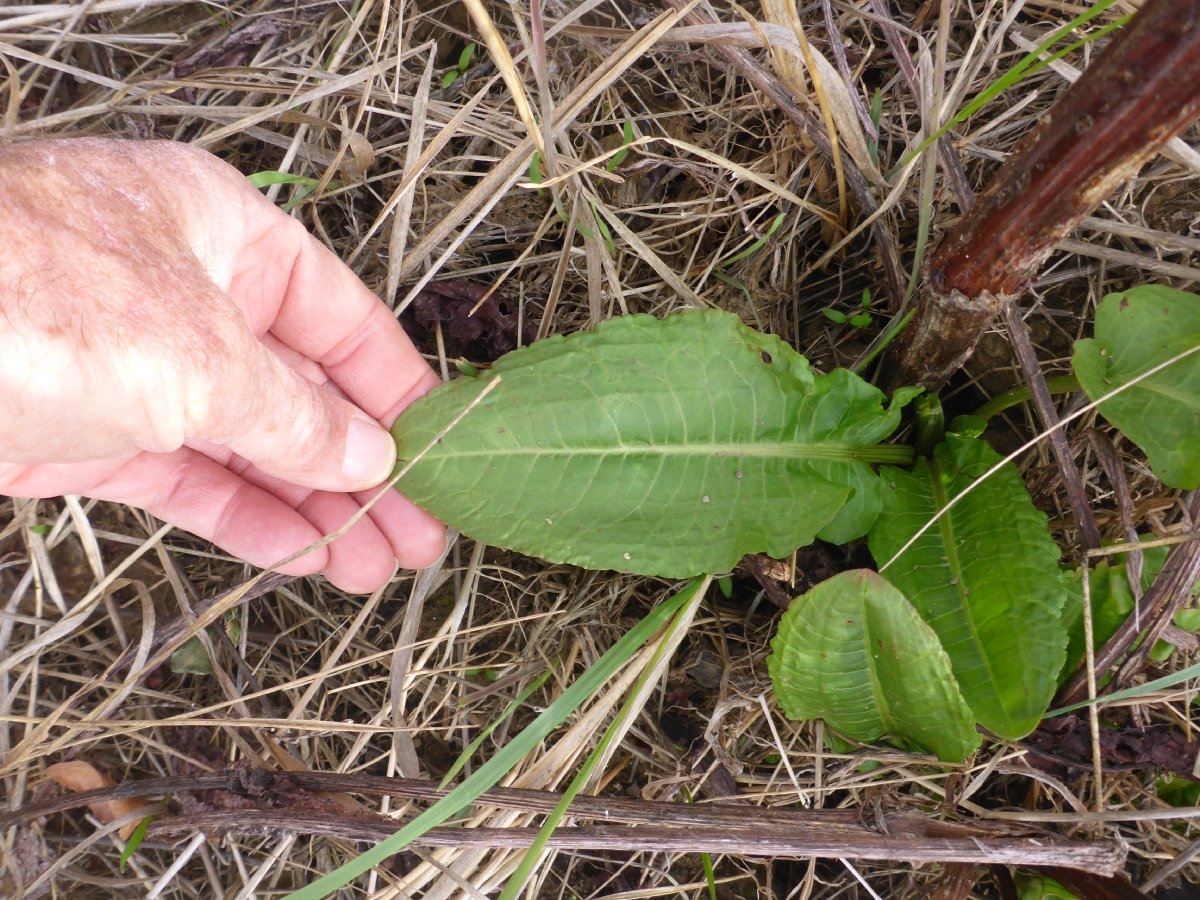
pixel 766 357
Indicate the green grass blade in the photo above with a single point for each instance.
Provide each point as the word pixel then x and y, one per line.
pixel 266 179
pixel 1133 693
pixel 135 841
pixel 692 595
pixel 756 245
pixel 1029 63
pixel 492 726
pixel 490 773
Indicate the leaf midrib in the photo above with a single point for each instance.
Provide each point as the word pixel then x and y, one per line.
pixel 883 453
pixel 959 585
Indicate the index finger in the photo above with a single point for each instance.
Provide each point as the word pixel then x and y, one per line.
pixel 293 286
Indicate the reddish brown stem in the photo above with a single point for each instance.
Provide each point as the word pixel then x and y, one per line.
pixel 1137 95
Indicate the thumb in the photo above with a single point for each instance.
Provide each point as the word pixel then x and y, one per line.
pixel 292 429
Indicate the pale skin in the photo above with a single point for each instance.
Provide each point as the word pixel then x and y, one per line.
pixel 171 340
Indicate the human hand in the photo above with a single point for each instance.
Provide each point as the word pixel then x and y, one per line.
pixel 173 341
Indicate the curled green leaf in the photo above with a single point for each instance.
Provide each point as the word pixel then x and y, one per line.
pixel 854 652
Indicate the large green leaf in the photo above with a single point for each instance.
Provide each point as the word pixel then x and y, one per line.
pixel 854 652
pixel 985 577
pixel 1135 331
pixel 662 447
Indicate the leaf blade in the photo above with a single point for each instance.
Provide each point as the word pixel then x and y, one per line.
pixel 986 579
pixel 661 447
pixel 1135 331
pixel 854 652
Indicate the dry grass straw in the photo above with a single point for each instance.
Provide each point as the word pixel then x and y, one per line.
pixel 417 181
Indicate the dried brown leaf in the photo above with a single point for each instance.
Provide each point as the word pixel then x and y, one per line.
pixel 77 775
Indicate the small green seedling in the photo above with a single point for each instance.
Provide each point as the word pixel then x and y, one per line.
pixel 192 659
pixel 536 170
pixel 876 113
pixel 304 185
pixel 537 175
pixel 460 68
pixel 755 246
pixel 860 319
pixel 135 841
pixel 214 13
pixel 626 140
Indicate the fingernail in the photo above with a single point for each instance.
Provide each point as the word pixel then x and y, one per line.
pixel 370 453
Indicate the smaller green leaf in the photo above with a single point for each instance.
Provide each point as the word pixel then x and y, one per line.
pixel 449 78
pixel 854 652
pixel 191 659
pixel 1185 620
pixel 1188 620
pixel 270 177
pixel 135 841
pixel 834 315
pixel 835 743
pixel 860 320
pixel 985 577
pixel 1174 790
pixel 1135 331
pixel 930 421
pixel 1112 601
pixel 1041 887
pixel 464 58
pixel 968 426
